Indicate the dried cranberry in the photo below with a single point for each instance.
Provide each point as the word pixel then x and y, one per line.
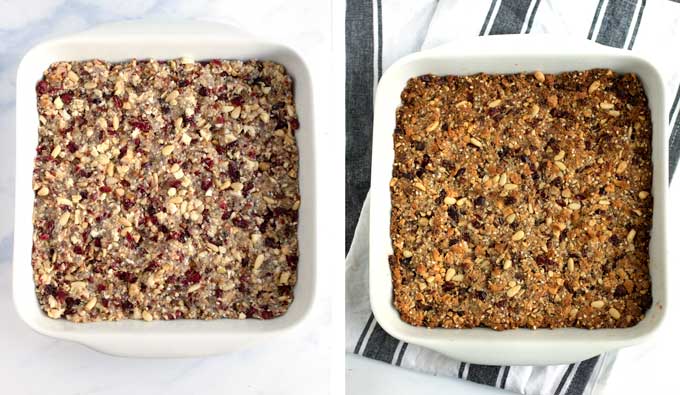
pixel 174 183
pixel 126 276
pixel 66 98
pixel 278 105
pixel 71 147
pixel 97 242
pixel 71 304
pixel 203 91
pixel 218 293
pixel 128 204
pixel 266 315
pixel 460 172
pixel 292 260
pixel 117 102
pixel 237 101
pixel 105 189
pixel 234 172
pixel 142 125
pixel 42 87
pixel 183 83
pixel 78 250
pixel 544 261
pixel 240 222
pixel 294 123
pixel 206 183
pixel 49 289
pixel 247 187
pixel 123 151
pixel 479 201
pixel 208 163
pixel 270 242
pixel 509 200
pixel 191 276
pixel 44 236
pixel 453 214
pixel 101 287
pixel 83 195
pixel 60 295
pixel 127 305
pixel 620 291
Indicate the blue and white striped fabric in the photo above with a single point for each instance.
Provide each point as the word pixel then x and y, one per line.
pixel 378 32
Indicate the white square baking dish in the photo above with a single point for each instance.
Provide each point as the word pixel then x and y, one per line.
pixel 502 55
pixel 141 40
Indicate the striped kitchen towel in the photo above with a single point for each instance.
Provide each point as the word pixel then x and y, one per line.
pixel 378 32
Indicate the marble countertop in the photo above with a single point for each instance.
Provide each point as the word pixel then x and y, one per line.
pixel 294 363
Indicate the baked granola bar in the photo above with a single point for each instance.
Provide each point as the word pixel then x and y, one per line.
pixel 522 201
pixel 165 190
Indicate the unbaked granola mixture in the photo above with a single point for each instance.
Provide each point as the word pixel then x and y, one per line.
pixel 165 190
pixel 522 201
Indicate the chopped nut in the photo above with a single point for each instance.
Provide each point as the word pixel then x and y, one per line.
pixel 561 165
pixel 449 201
pixel 514 290
pixel 147 316
pixel 621 167
pixel 63 219
pixel 475 142
pixel 631 236
pixel 594 86
pixel 64 201
pixel 614 313
pixel 503 179
pixel 559 156
pixel 43 191
pixel 495 103
pixel 598 304
pixel 167 150
pixel 91 303
pixel 534 110
pixel 519 235
pixel 407 254
pixel 458 278
pixel 643 195
pixel 56 151
pixel 574 206
pixel 540 77
pixel 434 125
pixel 606 106
pixel 507 264
pixel 449 274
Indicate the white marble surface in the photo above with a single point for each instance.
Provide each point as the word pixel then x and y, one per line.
pixel 297 363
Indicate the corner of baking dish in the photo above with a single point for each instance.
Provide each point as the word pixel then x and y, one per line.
pixel 190 336
pixel 484 345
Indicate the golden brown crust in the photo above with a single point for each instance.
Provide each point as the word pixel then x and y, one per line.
pixel 522 201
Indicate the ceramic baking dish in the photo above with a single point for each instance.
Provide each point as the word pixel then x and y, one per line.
pixel 141 40
pixel 502 55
